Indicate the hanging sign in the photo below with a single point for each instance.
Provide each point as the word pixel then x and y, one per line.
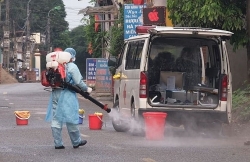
pixel 138 2
pixel 132 18
pixel 154 16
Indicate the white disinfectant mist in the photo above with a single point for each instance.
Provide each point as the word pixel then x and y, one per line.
pixel 134 126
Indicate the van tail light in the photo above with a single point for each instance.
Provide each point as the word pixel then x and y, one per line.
pixel 143 85
pixel 224 84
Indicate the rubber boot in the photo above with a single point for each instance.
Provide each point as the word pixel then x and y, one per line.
pixel 57 134
pixel 75 137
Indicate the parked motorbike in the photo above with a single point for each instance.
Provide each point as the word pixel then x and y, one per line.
pixel 19 77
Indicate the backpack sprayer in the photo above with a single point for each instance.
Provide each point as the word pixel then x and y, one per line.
pixel 55 76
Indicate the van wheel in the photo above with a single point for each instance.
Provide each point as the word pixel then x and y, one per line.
pixel 191 127
pixel 213 129
pixel 119 123
pixel 133 109
pixel 137 125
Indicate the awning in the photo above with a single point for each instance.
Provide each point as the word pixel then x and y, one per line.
pixel 112 9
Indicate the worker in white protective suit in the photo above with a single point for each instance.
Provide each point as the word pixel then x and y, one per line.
pixel 63 106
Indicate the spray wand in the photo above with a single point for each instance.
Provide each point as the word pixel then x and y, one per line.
pixel 87 96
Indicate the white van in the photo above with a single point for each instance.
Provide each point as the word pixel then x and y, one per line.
pixel 183 71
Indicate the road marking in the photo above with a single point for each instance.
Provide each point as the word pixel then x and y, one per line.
pixel 126 108
pixel 40 113
pixel 11 103
pixel 84 135
pixel 39 118
pixel 6 99
pixel 148 160
pixel 5 92
pixel 5 149
pixel 115 147
pixel 4 107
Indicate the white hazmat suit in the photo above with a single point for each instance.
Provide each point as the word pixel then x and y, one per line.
pixel 63 106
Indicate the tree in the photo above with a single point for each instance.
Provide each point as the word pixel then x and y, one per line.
pixel 58 22
pixel 79 43
pixel 94 38
pixel 38 16
pixel 63 40
pixel 117 35
pixel 222 14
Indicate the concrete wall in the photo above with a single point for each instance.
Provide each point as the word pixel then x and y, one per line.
pixel 238 65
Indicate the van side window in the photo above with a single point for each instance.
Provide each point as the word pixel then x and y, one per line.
pixel 133 56
pixel 139 54
pixel 120 56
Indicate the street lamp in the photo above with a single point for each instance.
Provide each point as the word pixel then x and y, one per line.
pixel 48 26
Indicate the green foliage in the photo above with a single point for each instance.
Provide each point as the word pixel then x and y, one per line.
pixel 78 39
pixel 117 36
pixel 38 17
pixel 80 45
pixel 58 22
pixel 221 14
pixel 94 38
pixel 63 41
pixel 241 104
pixel 114 37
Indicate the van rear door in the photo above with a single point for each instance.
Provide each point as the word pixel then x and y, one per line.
pixel 229 86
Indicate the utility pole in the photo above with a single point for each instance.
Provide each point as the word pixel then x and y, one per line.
pixel 1 51
pixel 248 32
pixel 26 49
pixel 48 28
pixel 48 33
pixel 6 43
pixel 14 47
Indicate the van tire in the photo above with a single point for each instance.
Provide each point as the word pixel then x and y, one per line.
pixel 137 124
pixel 191 126
pixel 212 129
pixel 120 125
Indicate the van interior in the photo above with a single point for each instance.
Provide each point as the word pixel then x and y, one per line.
pixel 184 72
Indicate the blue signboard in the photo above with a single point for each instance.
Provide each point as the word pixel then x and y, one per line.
pixel 90 71
pixel 103 77
pixel 133 17
pixel 37 73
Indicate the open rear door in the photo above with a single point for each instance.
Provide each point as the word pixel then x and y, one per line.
pixel 229 86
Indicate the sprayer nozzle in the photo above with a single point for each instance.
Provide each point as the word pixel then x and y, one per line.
pixel 108 110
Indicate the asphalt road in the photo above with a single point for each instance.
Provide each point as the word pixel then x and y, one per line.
pixel 33 142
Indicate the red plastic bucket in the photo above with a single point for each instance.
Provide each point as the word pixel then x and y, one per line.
pixel 22 117
pixel 95 122
pixel 20 121
pixel 154 125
